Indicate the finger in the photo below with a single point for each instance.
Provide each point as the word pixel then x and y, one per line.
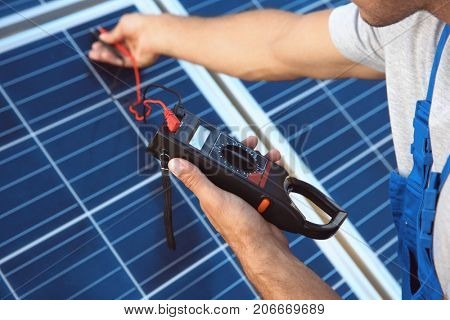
pixel 250 142
pixel 194 179
pixel 100 53
pixel 274 155
pixel 115 35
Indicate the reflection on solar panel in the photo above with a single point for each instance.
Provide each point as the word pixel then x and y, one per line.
pixel 81 206
pixel 344 134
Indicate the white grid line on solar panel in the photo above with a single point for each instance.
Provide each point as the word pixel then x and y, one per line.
pixel 40 70
pixel 65 271
pixel 221 248
pixel 309 260
pixel 378 144
pixel 59 245
pixel 52 89
pixel 381 234
pixel 123 295
pixel 257 4
pixel 223 292
pixel 260 5
pixel 347 294
pixel 339 132
pixel 93 284
pixel 99 104
pixel 8 285
pixel 357 128
pixel 356 172
pixel 314 5
pixel 70 188
pixel 160 242
pixel 175 278
pixel 306 262
pixel 343 129
pixel 58 161
pixel 105 24
pixel 144 141
pixel 356 158
pixel 200 217
pixel 76 178
pixel 113 215
pixel 93 107
pixel 276 114
pixel 97 252
pixel 79 218
pixel 69 156
pixel 304 94
pixel 287 91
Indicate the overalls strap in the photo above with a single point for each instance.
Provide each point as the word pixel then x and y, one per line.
pixel 421 146
pixel 437 59
pixel 414 200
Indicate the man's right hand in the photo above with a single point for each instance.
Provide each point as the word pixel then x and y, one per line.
pixel 253 45
pixel 134 30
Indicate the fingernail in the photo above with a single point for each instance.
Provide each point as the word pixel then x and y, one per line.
pixel 175 166
pixel 102 36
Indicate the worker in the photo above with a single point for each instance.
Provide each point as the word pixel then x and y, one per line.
pixel 402 41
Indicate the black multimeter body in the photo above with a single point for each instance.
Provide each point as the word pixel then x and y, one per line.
pixel 238 169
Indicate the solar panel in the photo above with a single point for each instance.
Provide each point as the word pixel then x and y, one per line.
pixel 13 7
pixel 81 204
pixel 342 132
pixel 77 218
pixel 16 10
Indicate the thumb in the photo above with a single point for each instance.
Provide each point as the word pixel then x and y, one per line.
pixel 113 36
pixel 192 178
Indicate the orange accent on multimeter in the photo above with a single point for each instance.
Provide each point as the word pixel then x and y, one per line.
pixel 263 205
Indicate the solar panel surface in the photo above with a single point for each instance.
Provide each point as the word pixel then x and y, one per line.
pixel 342 132
pixel 8 7
pixel 81 204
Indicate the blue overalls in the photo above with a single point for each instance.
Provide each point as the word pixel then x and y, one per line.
pixel 414 199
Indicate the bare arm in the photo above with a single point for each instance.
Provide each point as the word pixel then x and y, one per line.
pixel 255 45
pixel 262 249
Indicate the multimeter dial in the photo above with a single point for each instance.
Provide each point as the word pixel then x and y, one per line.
pixel 239 158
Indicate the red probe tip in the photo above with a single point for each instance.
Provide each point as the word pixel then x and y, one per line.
pixel 172 121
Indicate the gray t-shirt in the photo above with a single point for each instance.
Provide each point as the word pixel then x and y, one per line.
pixel 404 52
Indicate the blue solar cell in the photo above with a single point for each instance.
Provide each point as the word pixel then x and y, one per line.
pixel 340 128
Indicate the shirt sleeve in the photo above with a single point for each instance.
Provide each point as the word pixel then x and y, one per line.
pixel 355 38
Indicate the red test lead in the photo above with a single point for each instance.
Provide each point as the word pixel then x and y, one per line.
pixel 171 120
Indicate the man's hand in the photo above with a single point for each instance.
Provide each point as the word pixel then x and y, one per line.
pixel 239 223
pixel 253 45
pixel 135 31
pixel 262 249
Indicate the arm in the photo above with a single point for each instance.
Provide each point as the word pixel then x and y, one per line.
pixel 255 45
pixel 261 248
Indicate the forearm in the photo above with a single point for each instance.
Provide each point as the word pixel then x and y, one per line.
pixel 257 45
pixel 239 45
pixel 277 274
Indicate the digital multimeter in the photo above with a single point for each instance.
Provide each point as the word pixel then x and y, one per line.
pixel 238 169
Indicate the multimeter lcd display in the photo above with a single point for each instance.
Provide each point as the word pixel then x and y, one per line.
pixel 200 137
